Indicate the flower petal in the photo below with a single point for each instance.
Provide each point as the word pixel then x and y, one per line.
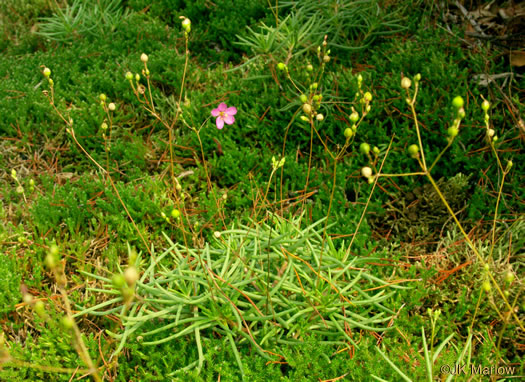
pixel 215 112
pixel 231 110
pixel 229 119
pixel 222 106
pixel 220 123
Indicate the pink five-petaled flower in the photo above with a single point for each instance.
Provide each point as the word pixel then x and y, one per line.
pixel 224 114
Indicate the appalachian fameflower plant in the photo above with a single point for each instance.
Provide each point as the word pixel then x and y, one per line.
pixel 19 188
pixel 417 152
pixel 56 266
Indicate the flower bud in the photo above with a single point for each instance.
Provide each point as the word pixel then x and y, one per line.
pixel 359 78
pixel 186 24
pixel 144 57
pixel 406 83
pixel 281 66
pixel 47 72
pixel 307 108
pixel 376 150
pixel 304 118
pixel 131 276
pixel 104 126
pixel 326 58
pixel 67 322
pixel 303 98
pixel 13 174
pixel 319 117
pixel 485 105
pixel 348 132
pixel 102 97
pixel 364 148
pixel 112 106
pixel 40 309
pixel 309 67
pixel 417 77
pixel 458 102
pixel 314 85
pixel 217 234
pixel 490 133
pixel 486 286
pixel 129 76
pixel 413 150
pixel 354 117
pixel 52 258
pixel 368 96
pixel 175 213
pixel 461 113
pixel 366 172
pixel 509 165
pixel 137 77
pixel 509 277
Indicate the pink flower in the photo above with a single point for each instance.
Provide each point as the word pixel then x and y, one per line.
pixel 224 114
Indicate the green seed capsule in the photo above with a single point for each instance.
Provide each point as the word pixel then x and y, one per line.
pixel 458 102
pixel 413 150
pixel 453 132
pixel 119 281
pixel 364 148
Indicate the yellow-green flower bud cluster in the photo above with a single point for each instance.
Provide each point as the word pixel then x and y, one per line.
pixel 47 74
pixel 490 132
pixel 186 24
pixel 53 262
pixel 453 130
pixel 125 282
